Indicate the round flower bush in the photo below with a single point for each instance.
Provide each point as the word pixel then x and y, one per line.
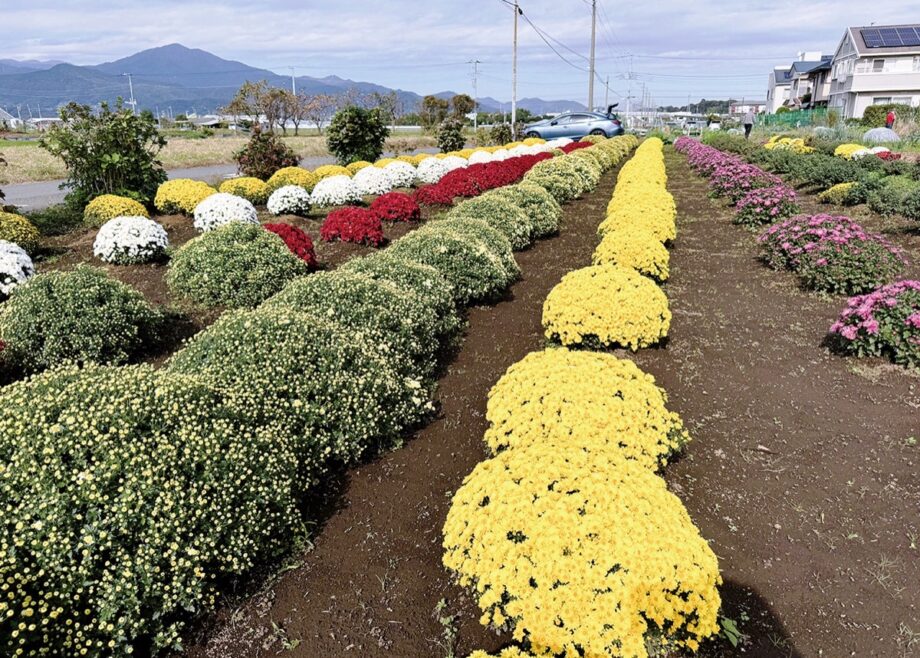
pixel 583 400
pixel 252 189
pixel 402 174
pixel 373 181
pixel 606 305
pixel 335 191
pixel 292 176
pixel 734 181
pixel 396 207
pixel 559 177
pixel 221 209
pixel 453 162
pixel 358 165
pixel 358 225
pixel 109 206
pixel 181 196
pixel 765 205
pixel 480 157
pixel 334 395
pixel 298 242
pixel 501 214
pixel 885 321
pixel 236 266
pixel 431 170
pixel 610 554
pixel 484 234
pixel 832 253
pixel 130 241
pixel 19 230
pixel 15 267
pixel 644 204
pixel 424 281
pixel 377 313
pixel 128 494
pixel 289 200
pixel 328 171
pixel 837 194
pixel 634 247
pixel 538 204
pixel 473 270
pixel 80 316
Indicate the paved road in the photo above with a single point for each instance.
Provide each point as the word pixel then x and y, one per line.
pixel 36 196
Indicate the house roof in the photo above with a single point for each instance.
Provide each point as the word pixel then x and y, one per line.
pixel 858 37
pixel 5 116
pixel 782 77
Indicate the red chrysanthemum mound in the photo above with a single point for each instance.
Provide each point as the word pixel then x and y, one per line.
pixel 574 146
pixel 358 225
pixel 297 241
pixel 396 207
pixel 478 178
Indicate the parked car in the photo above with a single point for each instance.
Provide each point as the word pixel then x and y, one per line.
pixel 575 125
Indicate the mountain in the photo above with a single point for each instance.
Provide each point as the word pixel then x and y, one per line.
pixel 188 80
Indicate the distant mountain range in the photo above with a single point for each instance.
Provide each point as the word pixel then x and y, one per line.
pixel 186 79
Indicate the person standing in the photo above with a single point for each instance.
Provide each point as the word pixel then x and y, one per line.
pixel 889 120
pixel 748 122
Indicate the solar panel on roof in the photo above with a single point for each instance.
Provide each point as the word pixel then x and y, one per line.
pixel 871 38
pixel 909 36
pixel 890 38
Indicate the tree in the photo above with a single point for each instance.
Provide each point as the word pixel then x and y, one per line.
pixel 433 111
pixel 450 135
pixel 390 106
pixel 461 105
pixel 299 109
pixel 265 154
pixel 357 134
pixel 318 109
pixel 111 152
pixel 247 101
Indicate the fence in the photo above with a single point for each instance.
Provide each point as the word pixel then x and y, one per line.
pixel 796 118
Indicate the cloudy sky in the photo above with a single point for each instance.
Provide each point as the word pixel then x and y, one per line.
pixel 702 49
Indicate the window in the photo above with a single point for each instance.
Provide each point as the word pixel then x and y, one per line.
pixel 901 100
pixel 878 65
pixel 881 100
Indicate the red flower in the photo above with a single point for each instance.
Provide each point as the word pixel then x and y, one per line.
pixel 574 146
pixel 476 179
pixel 396 207
pixel 297 241
pixel 351 224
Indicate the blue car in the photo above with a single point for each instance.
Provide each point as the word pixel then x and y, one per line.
pixel 575 125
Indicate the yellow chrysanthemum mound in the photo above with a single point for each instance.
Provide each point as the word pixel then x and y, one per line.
pixel 606 305
pixel 418 157
pixel 836 194
pixel 252 189
pixel 19 230
pixel 532 141
pixel 634 246
pixel 847 150
pixel 109 206
pixel 794 144
pixel 181 196
pixel 406 158
pixel 358 165
pixel 326 171
pixel 292 176
pixel 510 652
pixel 383 162
pixel 581 556
pixel 583 400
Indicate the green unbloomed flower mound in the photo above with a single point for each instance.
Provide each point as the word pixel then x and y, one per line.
pixel 501 214
pixel 128 494
pixel 337 396
pixel 536 202
pixel 80 316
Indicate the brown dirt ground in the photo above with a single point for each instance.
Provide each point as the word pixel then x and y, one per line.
pixel 802 472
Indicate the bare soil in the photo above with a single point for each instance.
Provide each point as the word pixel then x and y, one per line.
pixel 802 472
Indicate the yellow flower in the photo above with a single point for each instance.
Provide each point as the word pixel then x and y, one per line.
pixel 252 189
pixel 292 176
pixel 109 206
pixel 19 230
pixel 327 171
pixel 181 196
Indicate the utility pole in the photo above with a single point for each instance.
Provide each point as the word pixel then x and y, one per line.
pixel 591 67
pixel 293 84
pixel 39 111
pixel 607 93
pixel 475 63
pixel 132 102
pixel 517 10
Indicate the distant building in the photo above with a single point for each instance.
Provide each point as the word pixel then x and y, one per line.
pixel 792 85
pixel 875 65
pixel 43 123
pixel 8 121
pixel 745 106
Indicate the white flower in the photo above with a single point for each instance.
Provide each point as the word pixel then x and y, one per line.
pixel 481 157
pixel 220 209
pixel 431 170
pixel 880 149
pixel 859 154
pixel 373 180
pixel 401 173
pixel 558 143
pixel 289 200
pixel 130 240
pixel 15 267
pixel 455 162
pixel 335 191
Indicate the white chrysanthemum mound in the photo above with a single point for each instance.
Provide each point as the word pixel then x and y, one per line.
pixel 401 173
pixel 373 180
pixel 455 162
pixel 860 154
pixel 335 191
pixel 289 200
pixel 880 149
pixel 481 157
pixel 221 209
pixel 431 170
pixel 130 241
pixel 15 267
pixel 558 143
pixel 518 151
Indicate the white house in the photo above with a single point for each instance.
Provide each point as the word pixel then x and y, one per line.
pixel 788 84
pixel 875 65
pixel 745 106
pixel 779 86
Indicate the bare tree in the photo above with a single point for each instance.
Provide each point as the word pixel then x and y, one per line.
pixel 318 108
pixel 390 106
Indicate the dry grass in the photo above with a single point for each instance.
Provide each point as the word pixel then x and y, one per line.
pixel 27 162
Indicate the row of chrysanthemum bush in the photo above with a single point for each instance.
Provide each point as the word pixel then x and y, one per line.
pixel 132 496
pixel 567 535
pixel 829 253
pixel 236 262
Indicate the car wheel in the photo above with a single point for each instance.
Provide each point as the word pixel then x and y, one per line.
pixel 598 131
pixel 532 133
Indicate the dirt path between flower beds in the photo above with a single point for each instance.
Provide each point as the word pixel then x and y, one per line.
pixel 804 470
pixel 372 582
